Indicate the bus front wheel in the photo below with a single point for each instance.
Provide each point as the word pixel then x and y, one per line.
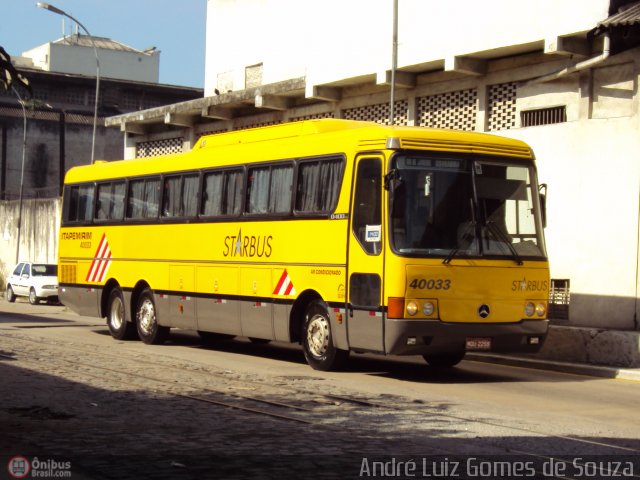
pixel 317 341
pixel 444 360
pixel 149 331
pixel 119 328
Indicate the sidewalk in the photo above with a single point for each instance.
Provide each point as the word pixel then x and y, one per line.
pixel 631 374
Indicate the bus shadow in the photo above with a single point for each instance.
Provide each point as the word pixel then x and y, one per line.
pixel 411 369
pixel 27 318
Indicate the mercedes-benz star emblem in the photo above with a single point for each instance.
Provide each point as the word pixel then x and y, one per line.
pixel 484 311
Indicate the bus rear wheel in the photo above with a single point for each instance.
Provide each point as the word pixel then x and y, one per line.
pixel 119 328
pixel 317 340
pixel 444 360
pixel 149 331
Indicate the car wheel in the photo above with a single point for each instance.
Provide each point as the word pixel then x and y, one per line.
pixel 149 331
pixel 119 328
pixel 33 298
pixel 317 340
pixel 11 297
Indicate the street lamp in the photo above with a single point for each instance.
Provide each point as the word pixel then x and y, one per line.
pixel 394 63
pixel 24 153
pixel 56 10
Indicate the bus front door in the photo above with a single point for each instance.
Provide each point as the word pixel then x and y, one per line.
pixel 365 257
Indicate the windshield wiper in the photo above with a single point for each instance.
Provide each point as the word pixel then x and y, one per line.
pixel 503 237
pixel 455 251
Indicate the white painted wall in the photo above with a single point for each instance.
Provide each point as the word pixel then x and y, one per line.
pixel 134 66
pixel 336 39
pixel 593 176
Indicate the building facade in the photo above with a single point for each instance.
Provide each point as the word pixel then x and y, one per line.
pixel 563 76
pixel 59 129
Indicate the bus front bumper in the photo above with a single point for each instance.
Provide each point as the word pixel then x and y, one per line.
pixel 419 337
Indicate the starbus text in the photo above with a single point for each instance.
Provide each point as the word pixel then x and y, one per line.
pixel 247 246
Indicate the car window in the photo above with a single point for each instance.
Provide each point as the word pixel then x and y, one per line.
pixel 27 269
pixel 18 269
pixel 42 270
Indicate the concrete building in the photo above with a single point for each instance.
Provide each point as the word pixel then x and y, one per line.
pixel 75 54
pixel 562 76
pixel 59 126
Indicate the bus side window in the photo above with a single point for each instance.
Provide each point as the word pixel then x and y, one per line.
pixel 144 198
pixel 367 218
pixel 318 185
pixel 190 196
pixel 80 208
pixel 269 189
pixel 171 197
pixel 110 201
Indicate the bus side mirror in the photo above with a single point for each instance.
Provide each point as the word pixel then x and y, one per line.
pixel 543 204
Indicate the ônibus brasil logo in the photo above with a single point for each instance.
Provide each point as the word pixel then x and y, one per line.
pixel 19 467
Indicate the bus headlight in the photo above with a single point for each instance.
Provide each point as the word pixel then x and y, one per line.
pixel 529 309
pixel 428 309
pixel 412 308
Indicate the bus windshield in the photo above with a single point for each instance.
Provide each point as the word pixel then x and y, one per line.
pixel 461 207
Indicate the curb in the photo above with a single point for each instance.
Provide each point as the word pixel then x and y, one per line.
pixel 632 374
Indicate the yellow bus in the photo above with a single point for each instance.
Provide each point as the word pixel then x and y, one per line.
pixel 340 235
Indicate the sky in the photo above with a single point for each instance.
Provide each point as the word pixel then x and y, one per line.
pixel 175 27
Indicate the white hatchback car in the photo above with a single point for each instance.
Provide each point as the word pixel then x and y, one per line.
pixel 38 281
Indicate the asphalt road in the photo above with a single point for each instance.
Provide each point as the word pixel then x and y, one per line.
pixel 101 408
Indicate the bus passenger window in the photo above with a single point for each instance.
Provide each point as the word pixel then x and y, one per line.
pixel 222 193
pixel 367 218
pixel 110 202
pixel 144 197
pixel 80 204
pixel 318 185
pixel 269 189
pixel 190 196
pixel 212 191
pixel 171 197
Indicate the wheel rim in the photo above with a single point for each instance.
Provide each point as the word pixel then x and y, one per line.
pixel 318 335
pixel 32 296
pixel 116 316
pixel 146 316
pixel 9 292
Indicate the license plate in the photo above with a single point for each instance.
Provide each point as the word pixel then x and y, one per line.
pixel 478 343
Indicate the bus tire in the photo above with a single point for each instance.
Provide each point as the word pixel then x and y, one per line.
pixel 444 360
pixel 317 340
pixel 10 296
pixel 149 331
pixel 119 328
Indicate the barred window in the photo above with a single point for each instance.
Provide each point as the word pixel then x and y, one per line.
pixel 318 185
pixel 543 116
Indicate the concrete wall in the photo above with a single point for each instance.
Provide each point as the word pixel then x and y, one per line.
pixel 38 233
pixel 76 59
pixel 334 40
pixel 55 143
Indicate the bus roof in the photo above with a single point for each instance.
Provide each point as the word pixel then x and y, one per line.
pixel 304 138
